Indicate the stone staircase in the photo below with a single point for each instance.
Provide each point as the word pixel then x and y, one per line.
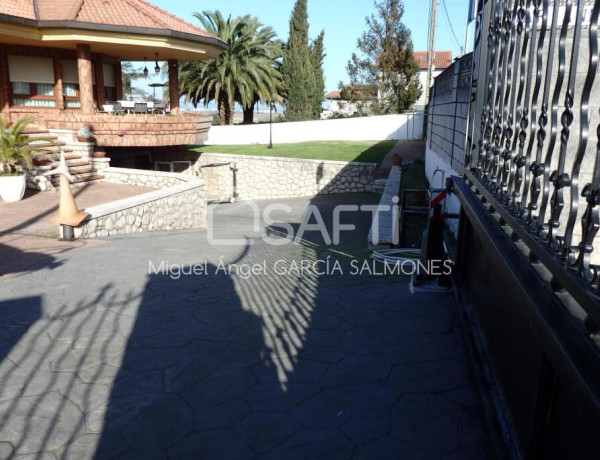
pixel 80 167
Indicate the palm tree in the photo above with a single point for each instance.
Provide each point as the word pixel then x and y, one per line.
pixel 245 73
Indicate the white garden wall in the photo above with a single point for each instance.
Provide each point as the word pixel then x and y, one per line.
pixel 407 126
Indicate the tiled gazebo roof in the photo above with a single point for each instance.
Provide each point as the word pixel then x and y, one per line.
pixel 137 14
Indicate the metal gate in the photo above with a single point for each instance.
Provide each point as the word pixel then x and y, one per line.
pixel 528 255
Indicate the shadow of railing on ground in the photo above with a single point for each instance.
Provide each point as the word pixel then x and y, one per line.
pixel 54 377
pixel 224 365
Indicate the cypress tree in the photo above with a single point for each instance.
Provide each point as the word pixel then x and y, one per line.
pixel 318 54
pixel 298 69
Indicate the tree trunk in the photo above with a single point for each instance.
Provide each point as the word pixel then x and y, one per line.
pixel 249 115
pixel 225 112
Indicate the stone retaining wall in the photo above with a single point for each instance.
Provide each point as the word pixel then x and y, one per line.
pixel 180 203
pixel 143 178
pixel 273 177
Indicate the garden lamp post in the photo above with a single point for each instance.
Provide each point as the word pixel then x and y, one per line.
pixel 271 108
pixel 154 86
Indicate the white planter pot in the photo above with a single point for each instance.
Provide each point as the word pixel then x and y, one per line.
pixel 12 188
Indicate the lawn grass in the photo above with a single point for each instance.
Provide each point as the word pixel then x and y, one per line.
pixel 362 151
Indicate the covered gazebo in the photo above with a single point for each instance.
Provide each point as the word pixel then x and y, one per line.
pixel 60 60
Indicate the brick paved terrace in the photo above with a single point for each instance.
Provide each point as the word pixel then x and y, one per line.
pixel 26 234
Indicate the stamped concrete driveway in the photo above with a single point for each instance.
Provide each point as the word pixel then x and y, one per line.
pixel 166 346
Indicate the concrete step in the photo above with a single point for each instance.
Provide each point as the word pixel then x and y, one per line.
pixel 79 172
pixel 40 163
pixel 55 156
pixel 74 167
pixel 48 146
pixel 44 139
pixel 81 181
pixel 33 130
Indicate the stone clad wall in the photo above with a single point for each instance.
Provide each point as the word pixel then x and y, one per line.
pixel 142 178
pixel 272 177
pixel 179 203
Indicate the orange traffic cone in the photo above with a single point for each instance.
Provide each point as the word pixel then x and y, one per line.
pixel 68 212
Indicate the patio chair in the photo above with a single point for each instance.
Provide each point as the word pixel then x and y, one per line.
pixel 107 108
pixel 159 108
pixel 140 107
pixel 117 108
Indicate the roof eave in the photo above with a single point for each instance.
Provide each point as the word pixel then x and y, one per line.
pixel 68 24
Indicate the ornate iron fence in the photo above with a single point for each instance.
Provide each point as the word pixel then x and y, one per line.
pixel 532 144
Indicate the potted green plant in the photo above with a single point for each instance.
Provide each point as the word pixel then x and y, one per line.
pixel 16 152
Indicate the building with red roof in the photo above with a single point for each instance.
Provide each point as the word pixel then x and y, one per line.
pixel 441 61
pixel 60 61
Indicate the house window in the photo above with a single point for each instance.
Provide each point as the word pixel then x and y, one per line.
pixel 71 95
pixel 26 94
pixel 32 81
pixel 70 77
pixel 70 89
pixel 21 88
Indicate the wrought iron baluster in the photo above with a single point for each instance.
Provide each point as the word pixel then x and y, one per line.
pixel 544 171
pixel 492 171
pixel 470 145
pixel 524 212
pixel 506 153
pixel 538 168
pixel 590 221
pixel 487 117
pixel 515 167
pixel 559 177
pixel 493 87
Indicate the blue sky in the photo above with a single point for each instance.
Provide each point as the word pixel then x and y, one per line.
pixel 343 21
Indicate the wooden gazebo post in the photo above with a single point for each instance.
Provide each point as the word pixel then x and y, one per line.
pixel 86 85
pixel 174 86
